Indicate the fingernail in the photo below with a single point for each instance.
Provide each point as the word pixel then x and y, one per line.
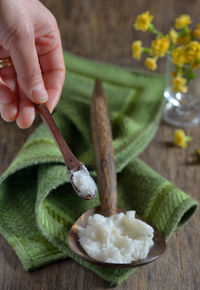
pixel 50 108
pixel 39 94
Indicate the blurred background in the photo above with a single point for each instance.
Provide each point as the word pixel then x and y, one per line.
pixel 103 29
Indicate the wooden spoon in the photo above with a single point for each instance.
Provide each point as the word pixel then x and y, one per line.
pixel 71 162
pixel 107 183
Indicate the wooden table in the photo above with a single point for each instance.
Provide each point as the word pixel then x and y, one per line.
pixel 102 30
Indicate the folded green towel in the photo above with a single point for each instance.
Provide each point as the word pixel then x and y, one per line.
pixel 37 203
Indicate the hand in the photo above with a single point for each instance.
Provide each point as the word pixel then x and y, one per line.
pixel 29 35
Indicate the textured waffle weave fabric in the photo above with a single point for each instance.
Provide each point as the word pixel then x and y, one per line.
pixel 37 203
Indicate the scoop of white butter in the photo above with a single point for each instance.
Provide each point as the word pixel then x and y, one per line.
pixel 119 239
pixel 84 182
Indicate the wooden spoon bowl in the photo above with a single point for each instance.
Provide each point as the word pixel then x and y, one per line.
pixel 155 252
pixel 107 184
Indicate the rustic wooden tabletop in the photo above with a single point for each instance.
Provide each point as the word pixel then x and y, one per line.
pixel 103 30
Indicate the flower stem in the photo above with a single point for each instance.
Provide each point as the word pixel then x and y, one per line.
pixel 152 28
pixel 146 50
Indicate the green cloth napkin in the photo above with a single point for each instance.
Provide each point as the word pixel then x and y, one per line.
pixel 38 205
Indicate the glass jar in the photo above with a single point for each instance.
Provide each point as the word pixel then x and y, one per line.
pixel 182 109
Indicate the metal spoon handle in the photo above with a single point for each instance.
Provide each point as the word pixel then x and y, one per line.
pixel 69 158
pixel 103 149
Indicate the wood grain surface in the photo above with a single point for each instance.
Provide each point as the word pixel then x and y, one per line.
pixel 102 30
pixel 71 161
pixel 103 151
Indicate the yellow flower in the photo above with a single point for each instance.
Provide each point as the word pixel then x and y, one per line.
pixel 197 31
pixel 178 84
pixel 182 21
pixel 160 46
pixel 137 49
pixel 151 63
pixel 173 74
pixel 195 65
pixel 143 20
pixel 180 139
pixel 179 56
pixel 193 52
pixel 173 35
pixel 184 39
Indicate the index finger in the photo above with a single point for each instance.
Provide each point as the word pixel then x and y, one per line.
pixel 53 73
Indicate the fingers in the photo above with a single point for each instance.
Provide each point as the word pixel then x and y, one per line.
pixel 25 60
pixel 4 53
pixel 26 113
pixel 6 95
pixel 8 85
pixel 52 65
pixel 9 112
pixel 54 83
pixel 21 109
pixel 53 70
pixel 39 79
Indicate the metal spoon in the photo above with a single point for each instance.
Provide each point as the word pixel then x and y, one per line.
pixel 107 183
pixel 71 162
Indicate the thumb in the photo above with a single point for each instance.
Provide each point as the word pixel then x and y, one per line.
pixel 26 63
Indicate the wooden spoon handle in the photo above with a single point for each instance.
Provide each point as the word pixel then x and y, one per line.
pixel 69 158
pixel 103 149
